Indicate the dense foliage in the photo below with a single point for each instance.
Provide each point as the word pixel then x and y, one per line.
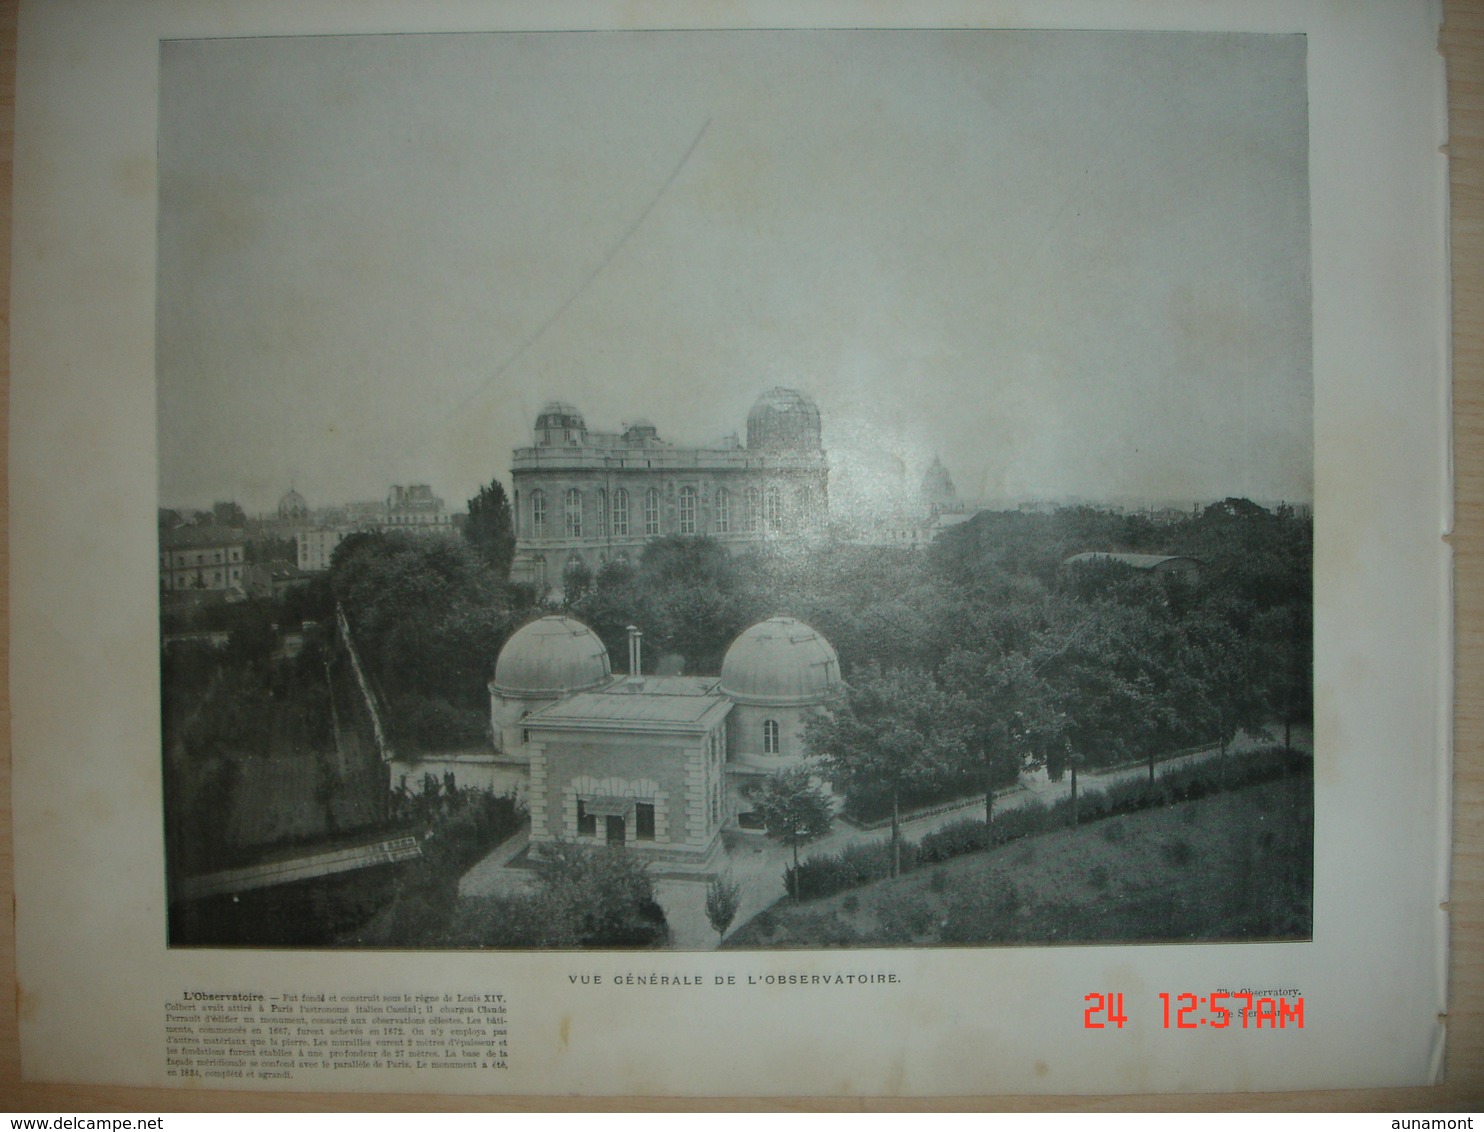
pixel 584 896
pixel 490 528
pixel 454 826
pixel 428 615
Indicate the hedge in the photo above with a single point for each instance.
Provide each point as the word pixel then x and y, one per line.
pixel 827 874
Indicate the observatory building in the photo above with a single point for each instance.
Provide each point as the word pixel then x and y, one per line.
pixel 589 497
pixel 660 764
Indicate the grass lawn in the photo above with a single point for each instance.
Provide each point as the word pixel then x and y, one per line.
pixel 1234 866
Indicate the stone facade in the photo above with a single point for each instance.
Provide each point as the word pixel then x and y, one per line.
pixel 202 558
pixel 589 497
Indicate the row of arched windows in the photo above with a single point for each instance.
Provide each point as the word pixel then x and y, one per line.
pixel 761 511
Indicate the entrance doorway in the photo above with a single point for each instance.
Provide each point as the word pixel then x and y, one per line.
pixel 615 830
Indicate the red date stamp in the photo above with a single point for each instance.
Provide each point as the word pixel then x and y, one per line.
pixel 1219 1010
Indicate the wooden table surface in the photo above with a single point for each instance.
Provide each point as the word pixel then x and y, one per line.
pixel 1463 44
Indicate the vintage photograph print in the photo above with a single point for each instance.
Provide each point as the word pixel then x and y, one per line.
pixel 735 489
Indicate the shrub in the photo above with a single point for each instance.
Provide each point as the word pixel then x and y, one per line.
pixel 1098 878
pixel 956 839
pixel 853 866
pixel 1023 820
pixel 1092 805
pixel 938 882
pixel 1114 832
pixel 1127 797
pixel 851 904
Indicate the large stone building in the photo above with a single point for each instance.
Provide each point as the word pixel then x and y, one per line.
pixel 582 496
pixel 415 507
pixel 201 558
pixel 661 764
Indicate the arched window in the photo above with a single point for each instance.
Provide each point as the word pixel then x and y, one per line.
pixel 770 736
pixel 538 514
pixel 574 513
pixel 602 513
pixel 803 508
pixel 754 510
pixel 620 513
pixel 773 510
pixel 723 511
pixel 652 511
pixel 687 510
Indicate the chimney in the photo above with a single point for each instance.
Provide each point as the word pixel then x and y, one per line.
pixel 636 640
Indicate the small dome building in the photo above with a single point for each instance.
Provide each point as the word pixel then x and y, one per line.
pixel 560 425
pixel 776 674
pixel 784 420
pixel 543 662
pixel 661 764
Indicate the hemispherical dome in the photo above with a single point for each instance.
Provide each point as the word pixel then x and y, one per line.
pixel 293 505
pixel 781 661
pixel 551 656
pixel 559 414
pixel 784 419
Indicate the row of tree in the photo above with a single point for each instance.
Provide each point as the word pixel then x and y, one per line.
pixel 965 661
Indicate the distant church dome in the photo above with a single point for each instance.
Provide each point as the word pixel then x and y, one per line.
pixel 938 492
pixel 293 506
pixel 551 656
pixel 781 661
pixel 784 419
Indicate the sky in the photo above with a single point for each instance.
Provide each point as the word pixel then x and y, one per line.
pixel 1067 264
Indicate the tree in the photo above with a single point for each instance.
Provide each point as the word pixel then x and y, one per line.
pixel 228 514
pixel 795 810
pixel 577 582
pixel 600 896
pixel 427 615
pixel 1287 633
pixel 1101 696
pixel 723 898
pixel 895 733
pixel 687 590
pixel 490 529
pixel 1230 688
pixel 1005 713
